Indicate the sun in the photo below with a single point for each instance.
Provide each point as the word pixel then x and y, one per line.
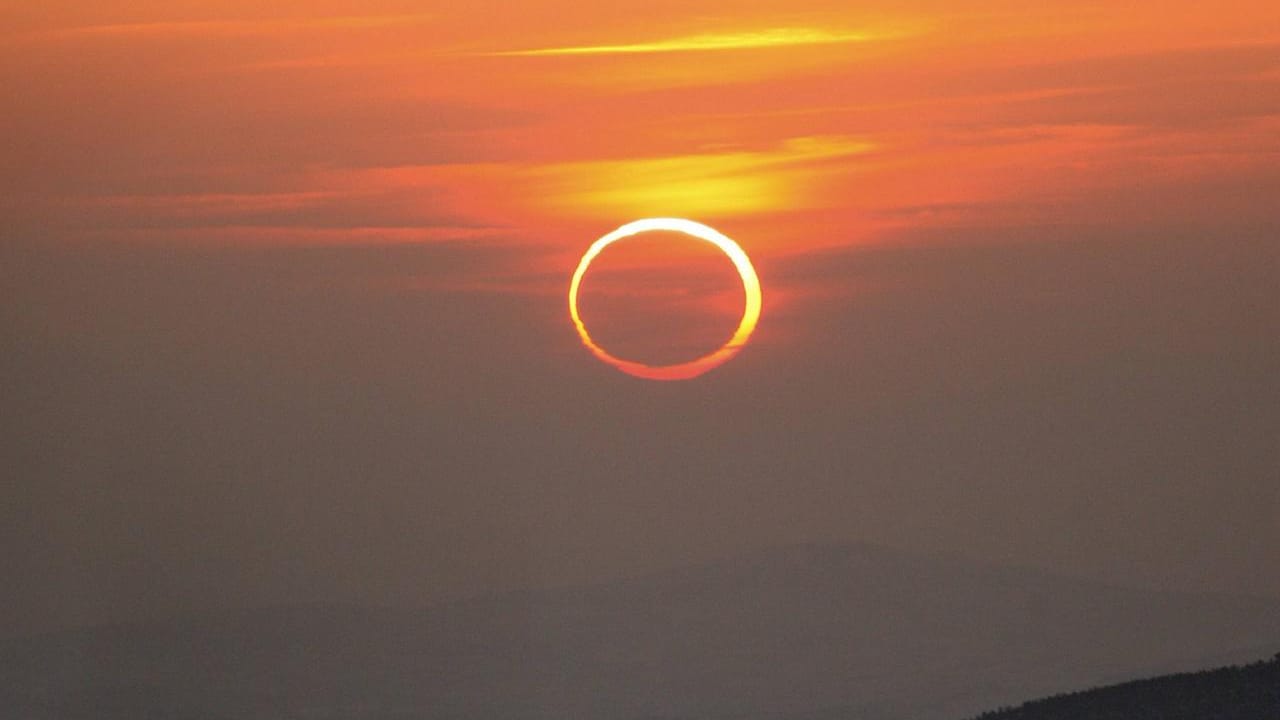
pixel 692 368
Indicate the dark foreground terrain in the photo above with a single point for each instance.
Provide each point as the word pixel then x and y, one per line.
pixel 1251 692
pixel 818 631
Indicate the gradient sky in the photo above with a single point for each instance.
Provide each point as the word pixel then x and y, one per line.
pixel 284 312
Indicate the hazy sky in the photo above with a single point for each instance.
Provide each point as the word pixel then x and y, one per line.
pixel 284 293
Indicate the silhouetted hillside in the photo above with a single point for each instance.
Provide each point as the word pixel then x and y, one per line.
pixel 1251 692
pixel 820 631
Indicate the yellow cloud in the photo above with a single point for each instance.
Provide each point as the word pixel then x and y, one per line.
pixel 720 184
pixel 767 38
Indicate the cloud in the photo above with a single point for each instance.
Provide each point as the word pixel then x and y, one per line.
pixel 699 184
pixel 747 40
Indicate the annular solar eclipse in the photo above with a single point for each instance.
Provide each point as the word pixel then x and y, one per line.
pixel 692 368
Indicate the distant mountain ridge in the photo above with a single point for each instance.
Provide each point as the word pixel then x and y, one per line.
pixel 814 631
pixel 1250 692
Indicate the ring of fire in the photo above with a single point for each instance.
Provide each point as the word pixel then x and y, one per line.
pixel 692 368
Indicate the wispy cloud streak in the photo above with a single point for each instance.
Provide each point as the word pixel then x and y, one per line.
pixel 767 38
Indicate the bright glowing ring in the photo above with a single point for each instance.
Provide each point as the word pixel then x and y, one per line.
pixel 693 368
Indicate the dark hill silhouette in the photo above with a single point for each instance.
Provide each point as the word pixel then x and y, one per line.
pixel 813 631
pixel 1251 692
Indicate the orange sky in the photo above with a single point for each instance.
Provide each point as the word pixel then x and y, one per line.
pixel 791 126
pixel 298 270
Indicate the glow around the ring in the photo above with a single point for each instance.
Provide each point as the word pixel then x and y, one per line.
pixel 693 368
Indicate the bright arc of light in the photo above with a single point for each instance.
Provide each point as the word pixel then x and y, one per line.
pixel 692 368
